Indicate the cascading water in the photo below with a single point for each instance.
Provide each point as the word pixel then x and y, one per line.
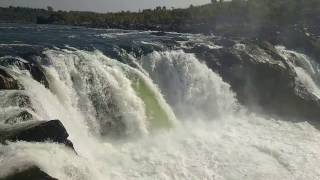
pixel 102 87
pixel 123 128
pixel 307 73
pixel 192 89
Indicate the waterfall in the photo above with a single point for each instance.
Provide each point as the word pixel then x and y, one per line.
pixel 93 96
pixel 122 125
pixel 101 87
pixel 305 68
pixel 189 86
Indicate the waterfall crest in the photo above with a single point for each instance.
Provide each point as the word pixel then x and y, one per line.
pixel 120 120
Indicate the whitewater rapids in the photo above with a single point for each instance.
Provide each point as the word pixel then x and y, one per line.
pixel 203 133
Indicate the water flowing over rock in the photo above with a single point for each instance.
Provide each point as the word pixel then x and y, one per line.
pixel 263 80
pixel 34 69
pixel 17 117
pixel 140 105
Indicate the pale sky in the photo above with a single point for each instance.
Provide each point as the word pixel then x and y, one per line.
pixel 101 5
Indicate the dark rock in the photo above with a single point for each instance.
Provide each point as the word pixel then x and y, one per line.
pixel 38 74
pixel 263 85
pixel 33 173
pixel 7 81
pixel 37 132
pixel 34 69
pixel 69 144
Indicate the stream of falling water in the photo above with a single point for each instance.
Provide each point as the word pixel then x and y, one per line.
pixel 109 110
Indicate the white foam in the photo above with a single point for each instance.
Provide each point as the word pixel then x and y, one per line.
pixel 223 144
pixel 190 87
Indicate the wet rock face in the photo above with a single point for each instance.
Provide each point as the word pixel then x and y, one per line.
pixel 38 74
pixel 37 132
pixel 21 116
pixel 263 80
pixel 33 173
pixel 7 82
pixel 34 69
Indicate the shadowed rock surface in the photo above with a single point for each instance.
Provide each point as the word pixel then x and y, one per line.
pixel 263 80
pixel 37 132
pixel 7 81
pixel 33 173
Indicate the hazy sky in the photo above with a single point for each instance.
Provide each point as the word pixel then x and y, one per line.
pixel 101 5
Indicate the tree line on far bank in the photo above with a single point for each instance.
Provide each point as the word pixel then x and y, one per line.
pixel 236 13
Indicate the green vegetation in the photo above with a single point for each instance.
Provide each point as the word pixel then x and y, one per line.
pixel 215 16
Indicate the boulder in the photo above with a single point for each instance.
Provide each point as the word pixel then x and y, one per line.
pixel 7 81
pixel 33 173
pixel 39 131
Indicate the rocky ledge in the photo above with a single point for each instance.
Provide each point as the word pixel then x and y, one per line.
pixel 7 81
pixel 33 173
pixel 39 131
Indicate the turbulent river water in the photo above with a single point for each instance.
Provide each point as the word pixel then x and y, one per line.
pixel 140 106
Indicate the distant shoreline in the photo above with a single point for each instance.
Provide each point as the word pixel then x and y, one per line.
pixel 230 18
